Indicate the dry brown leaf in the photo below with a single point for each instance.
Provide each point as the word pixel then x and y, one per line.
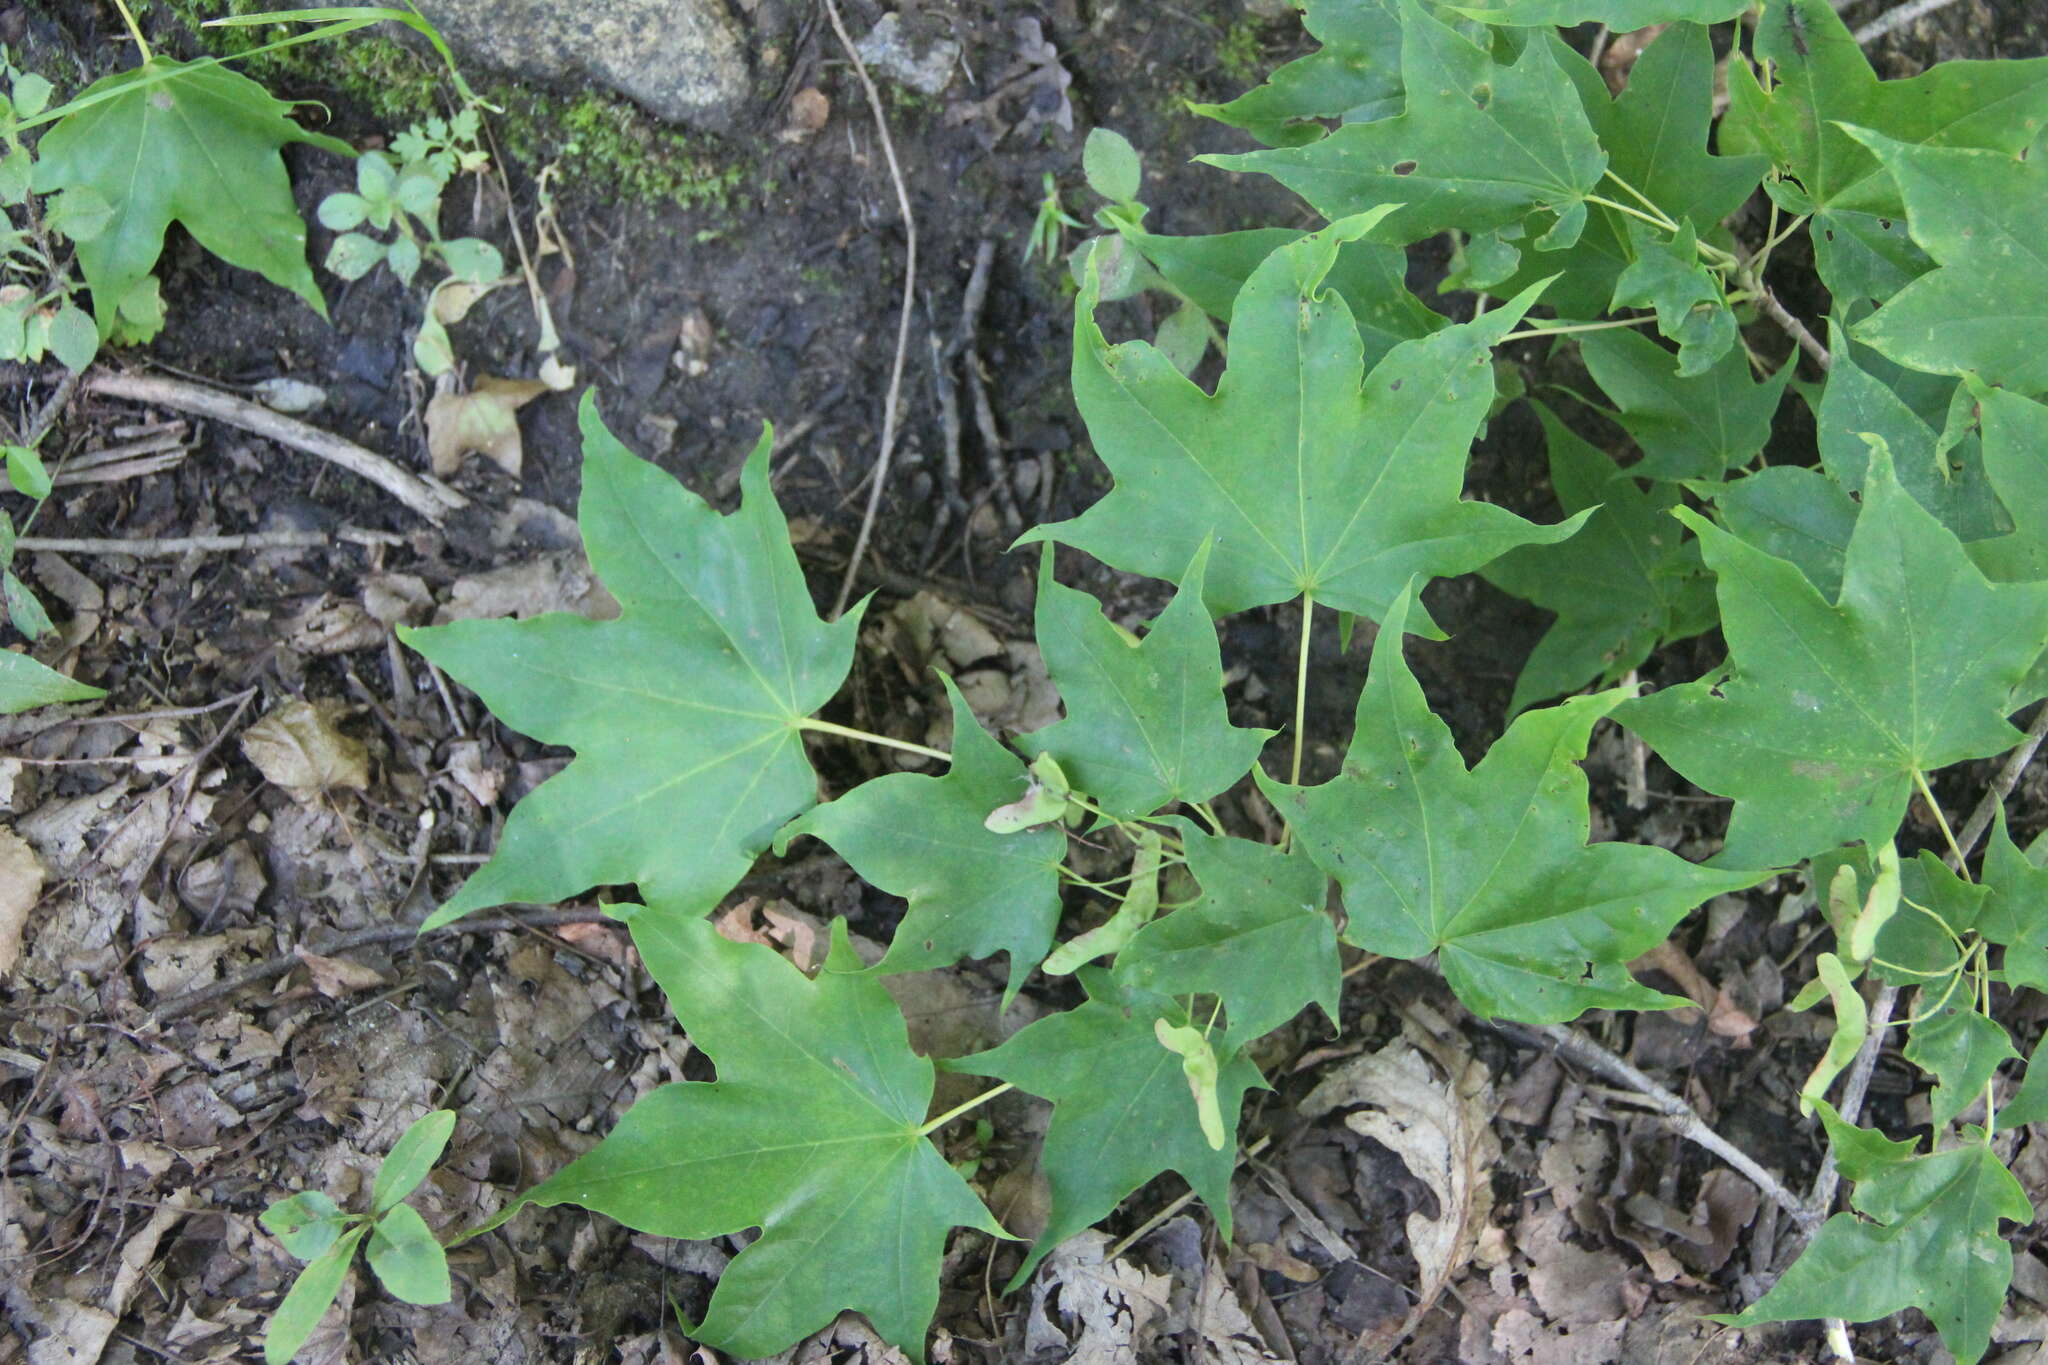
pixel 560 581
pixel 1106 1306
pixel 1441 1128
pixel 335 977
pixel 484 421
pixel 299 747
pixel 21 884
pixel 809 111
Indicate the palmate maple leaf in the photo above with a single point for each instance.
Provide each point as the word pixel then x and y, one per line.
pixel 1490 868
pixel 1828 709
pixel 812 1133
pixel 186 142
pixel 1302 474
pixel 686 713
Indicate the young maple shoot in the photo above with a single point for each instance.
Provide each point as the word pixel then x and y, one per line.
pixel 402 1251
pixel 1882 590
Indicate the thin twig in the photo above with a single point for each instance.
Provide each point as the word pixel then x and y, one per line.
pixel 881 472
pixel 1898 17
pixel 181 1005
pixel 146 548
pixel 1684 1118
pixel 2001 786
pixel 1780 314
pixel 430 498
pixel 46 416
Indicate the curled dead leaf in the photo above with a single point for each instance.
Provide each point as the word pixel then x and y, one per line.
pixel 1439 1122
pixel 484 421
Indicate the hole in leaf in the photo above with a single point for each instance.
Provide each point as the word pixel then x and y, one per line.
pixel 1404 168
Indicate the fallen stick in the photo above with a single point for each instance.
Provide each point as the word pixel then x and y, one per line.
pixel 179 545
pixel 429 497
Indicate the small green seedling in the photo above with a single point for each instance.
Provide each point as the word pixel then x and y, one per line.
pixel 1050 226
pixel 402 197
pixel 402 1251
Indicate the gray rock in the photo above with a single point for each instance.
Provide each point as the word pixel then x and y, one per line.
pixel 689 61
pixel 889 51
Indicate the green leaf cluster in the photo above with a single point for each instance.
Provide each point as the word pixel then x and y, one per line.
pixel 1878 578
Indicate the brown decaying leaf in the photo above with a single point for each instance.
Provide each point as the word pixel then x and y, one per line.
pixel 484 421
pixel 335 977
pixel 21 882
pixel 299 747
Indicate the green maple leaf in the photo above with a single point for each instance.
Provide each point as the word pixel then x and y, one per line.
pixel 1628 582
pixel 1478 146
pixel 2015 914
pixel 1655 134
pixel 1623 16
pixel 2015 455
pixel 1489 869
pixel 1354 76
pixel 1833 706
pixel 1796 514
pixel 1122 1110
pixel 1931 1242
pixel 1866 397
pixel 1211 270
pixel 811 1133
pixel 1691 308
pixel 1689 427
pixel 1961 1049
pixel 1146 722
pixel 1256 938
pixel 1302 482
pixel 2029 1103
pixel 686 713
pixel 1824 81
pixel 192 143
pixel 972 892
pixel 1977 214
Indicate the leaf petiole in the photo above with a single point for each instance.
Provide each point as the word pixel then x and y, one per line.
pixel 1947 834
pixel 1662 219
pixel 1659 221
pixel 134 31
pixel 1568 328
pixel 826 727
pixel 1308 607
pixel 969 1107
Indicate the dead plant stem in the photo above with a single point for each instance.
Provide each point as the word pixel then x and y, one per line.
pixel 888 446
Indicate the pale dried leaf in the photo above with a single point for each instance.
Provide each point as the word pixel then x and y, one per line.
pixel 1441 1128
pixel 484 421
pixel 299 747
pixel 21 884
pixel 335 977
pixel 561 581
pixel 1108 1306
